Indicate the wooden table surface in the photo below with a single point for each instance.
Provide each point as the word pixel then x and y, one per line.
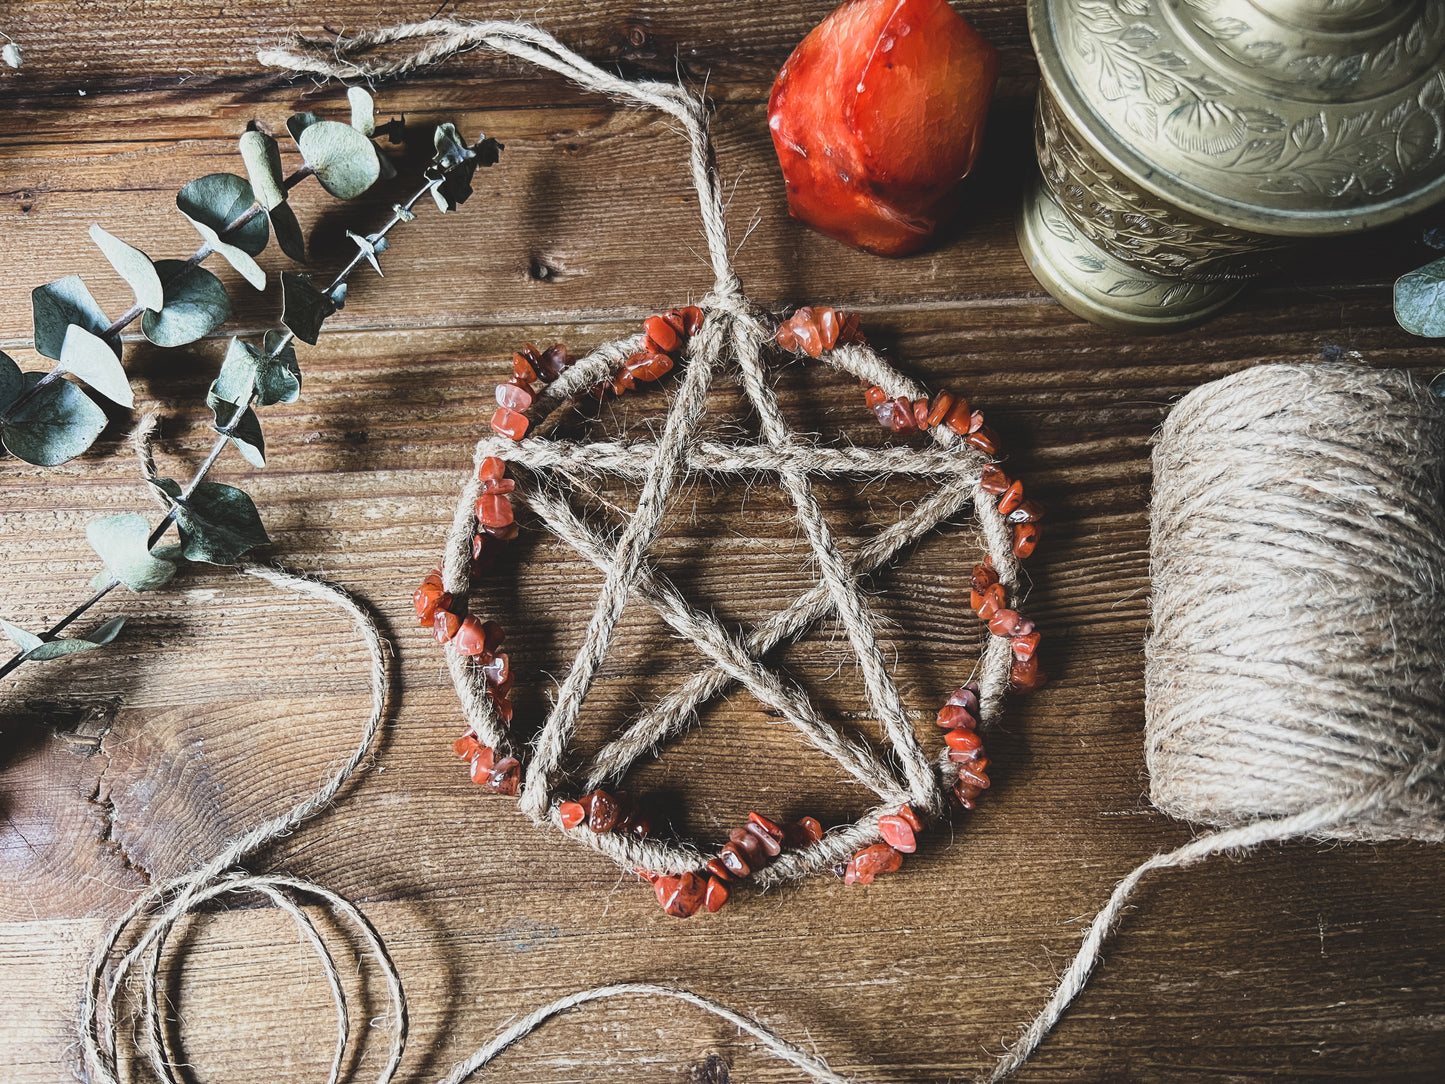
pixel 224 701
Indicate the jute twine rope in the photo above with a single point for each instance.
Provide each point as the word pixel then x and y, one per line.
pixel 1295 671
pixel 732 341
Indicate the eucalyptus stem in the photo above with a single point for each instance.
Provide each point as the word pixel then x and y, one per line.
pixel 400 213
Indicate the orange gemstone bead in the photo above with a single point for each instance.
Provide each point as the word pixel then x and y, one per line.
pixel 1025 674
pixel 993 602
pixel 973 774
pixel 509 423
pixel 874 397
pixel 692 318
pixel 897 833
pixel 554 362
pixel 1003 623
pixel 515 395
pixel 767 827
pixel 954 716
pixel 1011 499
pixel 914 821
pixel 716 895
pixel 494 510
pixel 469 639
pixel 1026 537
pixel 717 869
pixel 734 860
pixel 1024 646
pixel 920 413
pixel 601 811
pixel 964 740
pixel 662 337
pixel 571 814
pixel 445 623
pixel 870 862
pixel 902 421
pixel 942 404
pixel 467 746
pixel 428 597
pixel 992 480
pixel 681 896
pixel 985 440
pixel 482 767
pixel 506 776
pixel 957 417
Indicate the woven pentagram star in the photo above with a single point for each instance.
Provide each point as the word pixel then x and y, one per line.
pixel 733 342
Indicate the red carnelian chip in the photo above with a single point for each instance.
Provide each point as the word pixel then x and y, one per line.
pixel 966 696
pixel 914 821
pixel 985 440
pixel 503 708
pixel 522 369
pixel 897 833
pixel 920 413
pixel 717 869
pixel 647 875
pixel 681 896
pixel 427 598
pixel 571 814
pixel 734 861
pixel 876 117
pixel 810 828
pixel 942 404
pixel 992 480
pixel 770 846
pixel 1026 537
pixel 506 775
pixel 1012 498
pixel 716 895
pixel 675 321
pixel 509 423
pixel 469 639
pixel 902 421
pixel 498 671
pixel 1024 646
pixel 602 811
pixel 467 746
pixel 665 337
pixel 975 421
pixel 828 328
pixel 993 601
pixel 807 333
pixel 766 825
pixel 972 773
pixel 954 716
pixel 870 862
pixel 964 794
pixel 874 396
pixel 1003 623
pixel 445 624
pixel 957 417
pixel 963 740
pixel 494 635
pixel 1026 674
pixel 554 361
pixel 648 366
pixel 515 395
pixel 692 318
pixel 481 767
pixel 984 577
pixel 750 845
pixel 494 510
pixel 784 337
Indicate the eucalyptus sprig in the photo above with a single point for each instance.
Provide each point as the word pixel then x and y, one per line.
pixel 1420 307
pixel 179 302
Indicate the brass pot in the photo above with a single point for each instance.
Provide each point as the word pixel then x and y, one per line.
pixel 1188 146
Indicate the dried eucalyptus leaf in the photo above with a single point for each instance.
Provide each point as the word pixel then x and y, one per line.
pixel 218 200
pixel 1420 300
pixel 12 381
pixel 297 123
pixel 53 649
pixel 288 232
pixel 344 159
pixel 133 265
pixel 195 305
pixel 58 424
pixel 303 307
pixel 217 524
pixel 363 111
pixel 280 379
pixel 239 259
pixel 88 357
pixel 245 433
pixel 123 543
pixel 25 641
pixel 57 305
pixel 262 156
pixel 273 376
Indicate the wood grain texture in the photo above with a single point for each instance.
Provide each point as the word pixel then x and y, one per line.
pixel 224 701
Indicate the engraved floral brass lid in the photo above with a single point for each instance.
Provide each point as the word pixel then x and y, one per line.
pixel 1285 117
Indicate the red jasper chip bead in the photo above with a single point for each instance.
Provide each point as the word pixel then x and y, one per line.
pixel 428 598
pixel 716 895
pixel 734 860
pixel 1025 646
pixel 1012 498
pixel 1025 674
pixel 1026 537
pixel 602 811
pixel 902 421
pixel 870 862
pixel 523 369
pixel 993 601
pixel 897 833
pixel 571 814
pixel 717 869
pixel 515 395
pixel 445 624
pixel 681 896
pixel 509 423
pixel 482 767
pixel 920 413
pixel 692 318
pixel 662 336
pixel 491 469
pixel 964 741
pixel 958 417
pixel 955 716
pixel 553 362
pixel 467 746
pixel 942 404
pixel 993 481
pixel 759 823
pixel 506 776
pixel 1004 622
pixel 494 510
pixel 1026 512
pixel 985 440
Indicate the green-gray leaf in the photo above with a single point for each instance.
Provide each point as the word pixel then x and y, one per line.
pixel 344 159
pixel 1420 300
pixel 262 156
pixel 57 305
pixel 12 381
pixel 58 424
pixel 273 376
pixel 53 649
pixel 196 304
pixel 297 123
pixel 363 111
pixel 217 525
pixel 216 201
pixel 133 265
pixel 25 641
pixel 303 307
pixel 245 434
pixel 88 357
pixel 123 543
pixel 288 232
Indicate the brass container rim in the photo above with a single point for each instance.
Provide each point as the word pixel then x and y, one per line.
pixel 1153 176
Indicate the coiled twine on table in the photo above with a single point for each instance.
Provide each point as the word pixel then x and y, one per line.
pixel 1297 552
